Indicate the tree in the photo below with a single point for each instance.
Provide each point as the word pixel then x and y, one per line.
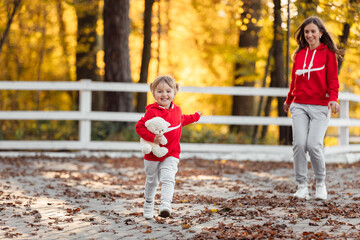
pixel 278 76
pixel 245 67
pixel 87 16
pixel 65 49
pixel 62 35
pixel 343 38
pixel 11 15
pixel 261 100
pixel 146 54
pixel 307 8
pixel 117 58
pixel 277 72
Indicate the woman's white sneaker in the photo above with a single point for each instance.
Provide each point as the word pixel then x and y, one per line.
pixel 165 210
pixel 148 210
pixel 321 192
pixel 302 192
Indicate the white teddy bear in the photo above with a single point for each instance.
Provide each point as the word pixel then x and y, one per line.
pixel 156 125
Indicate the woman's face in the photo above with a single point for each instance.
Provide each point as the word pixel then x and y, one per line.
pixel 312 35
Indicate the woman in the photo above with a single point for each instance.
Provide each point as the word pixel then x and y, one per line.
pixel 313 92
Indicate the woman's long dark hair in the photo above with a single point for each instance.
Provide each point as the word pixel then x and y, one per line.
pixel 325 38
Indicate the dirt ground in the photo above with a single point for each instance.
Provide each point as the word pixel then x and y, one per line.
pixel 102 198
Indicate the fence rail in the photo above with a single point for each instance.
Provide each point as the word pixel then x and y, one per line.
pixel 85 115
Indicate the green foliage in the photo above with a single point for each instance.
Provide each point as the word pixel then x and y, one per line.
pixel 38 130
pixel 209 134
pixel 113 131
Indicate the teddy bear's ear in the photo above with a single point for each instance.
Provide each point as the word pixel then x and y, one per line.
pixel 147 123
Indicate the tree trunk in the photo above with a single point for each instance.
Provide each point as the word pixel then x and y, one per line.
pixel 62 35
pixel 279 66
pixel 159 38
pixel 117 57
pixel 41 54
pixel 277 74
pixel 259 110
pixel 268 105
pixel 87 15
pixel 17 4
pixel 343 42
pixel 87 12
pixel 244 105
pixel 146 55
pixel 65 49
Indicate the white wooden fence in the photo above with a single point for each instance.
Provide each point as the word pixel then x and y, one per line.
pixel 85 115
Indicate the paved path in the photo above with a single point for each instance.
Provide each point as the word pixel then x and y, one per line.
pixel 102 198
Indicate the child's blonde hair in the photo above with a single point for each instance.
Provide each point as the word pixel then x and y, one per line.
pixel 166 79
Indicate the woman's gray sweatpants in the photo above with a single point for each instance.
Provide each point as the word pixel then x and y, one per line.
pixel 309 124
pixel 163 172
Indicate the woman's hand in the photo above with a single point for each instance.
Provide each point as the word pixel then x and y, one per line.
pixel 199 113
pixel 286 107
pixel 334 106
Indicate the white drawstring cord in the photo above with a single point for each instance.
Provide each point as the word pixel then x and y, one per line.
pixel 307 50
pixel 311 64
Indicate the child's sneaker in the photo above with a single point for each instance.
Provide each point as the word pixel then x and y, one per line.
pixel 148 210
pixel 165 210
pixel 321 192
pixel 302 192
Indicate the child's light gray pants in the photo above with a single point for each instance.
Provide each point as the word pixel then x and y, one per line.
pixel 309 123
pixel 163 172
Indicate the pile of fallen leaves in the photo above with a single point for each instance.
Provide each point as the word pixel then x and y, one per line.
pixel 213 199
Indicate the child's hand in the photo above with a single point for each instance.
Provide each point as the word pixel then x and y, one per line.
pixel 158 138
pixel 199 113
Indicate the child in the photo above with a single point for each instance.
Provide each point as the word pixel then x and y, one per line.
pixel 163 169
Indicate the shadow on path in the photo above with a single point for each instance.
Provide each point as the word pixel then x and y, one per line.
pixel 102 198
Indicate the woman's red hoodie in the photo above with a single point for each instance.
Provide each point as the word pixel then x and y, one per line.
pixel 314 77
pixel 176 119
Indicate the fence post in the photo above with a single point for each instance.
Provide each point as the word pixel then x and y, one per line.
pixel 85 108
pixel 344 114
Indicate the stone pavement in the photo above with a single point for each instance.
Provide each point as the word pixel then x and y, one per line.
pixel 102 198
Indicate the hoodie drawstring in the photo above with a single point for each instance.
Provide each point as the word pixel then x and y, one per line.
pixel 311 63
pixel 307 50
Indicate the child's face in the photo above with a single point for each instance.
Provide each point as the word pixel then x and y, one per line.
pixel 164 95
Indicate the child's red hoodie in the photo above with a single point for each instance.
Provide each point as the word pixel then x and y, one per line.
pixel 176 119
pixel 314 77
